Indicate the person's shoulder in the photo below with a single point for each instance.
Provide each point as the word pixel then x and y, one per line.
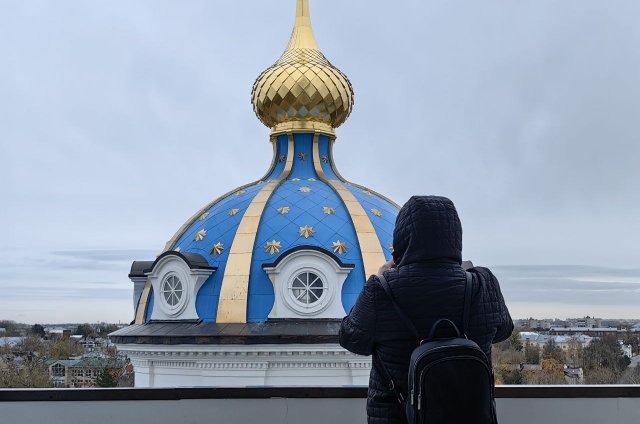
pixel 484 274
pixel 483 271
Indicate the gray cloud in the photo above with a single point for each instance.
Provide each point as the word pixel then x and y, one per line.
pixel 107 255
pixel 524 113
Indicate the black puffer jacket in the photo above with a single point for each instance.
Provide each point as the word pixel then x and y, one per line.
pixel 428 284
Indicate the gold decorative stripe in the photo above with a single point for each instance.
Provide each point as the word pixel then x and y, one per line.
pixel 170 245
pixel 234 293
pixel 370 246
pixel 335 170
pixel 143 304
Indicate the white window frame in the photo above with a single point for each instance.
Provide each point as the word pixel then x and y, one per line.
pixel 191 279
pixel 295 263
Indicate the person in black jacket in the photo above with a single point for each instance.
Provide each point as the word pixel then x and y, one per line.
pixel 428 283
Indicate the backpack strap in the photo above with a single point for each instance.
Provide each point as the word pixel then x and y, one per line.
pixel 399 311
pixel 466 314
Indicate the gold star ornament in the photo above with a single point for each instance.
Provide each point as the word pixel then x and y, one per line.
pixel 328 210
pixel 376 212
pixel 240 192
pixel 302 156
pixel 295 180
pixel 200 235
pixel 177 249
pixel 283 210
pixel 282 158
pixel 312 180
pixel 324 158
pixel 217 248
pixel 272 247
pixel 339 247
pixel 204 216
pixel 305 189
pixel 233 212
pixel 307 231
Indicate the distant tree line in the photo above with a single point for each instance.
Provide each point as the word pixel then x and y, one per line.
pixel 602 361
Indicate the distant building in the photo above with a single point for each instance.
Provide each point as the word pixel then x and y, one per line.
pixel 592 331
pixel 564 342
pixel 573 375
pixel 83 372
pixel 10 341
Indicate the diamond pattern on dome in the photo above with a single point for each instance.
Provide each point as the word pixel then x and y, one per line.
pixel 302 85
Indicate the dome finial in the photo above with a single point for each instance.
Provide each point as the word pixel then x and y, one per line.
pixel 302 35
pixel 302 91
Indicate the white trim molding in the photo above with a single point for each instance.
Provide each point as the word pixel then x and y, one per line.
pixel 246 365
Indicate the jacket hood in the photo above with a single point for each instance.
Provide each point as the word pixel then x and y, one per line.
pixel 427 229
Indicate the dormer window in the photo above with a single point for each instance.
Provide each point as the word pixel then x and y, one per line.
pixel 172 290
pixel 308 284
pixel 307 289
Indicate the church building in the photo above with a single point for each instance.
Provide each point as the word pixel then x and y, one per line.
pixel 251 289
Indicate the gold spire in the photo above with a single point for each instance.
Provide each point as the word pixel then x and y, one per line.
pixel 302 91
pixel 302 35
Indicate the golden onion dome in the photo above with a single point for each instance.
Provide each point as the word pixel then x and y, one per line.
pixel 302 87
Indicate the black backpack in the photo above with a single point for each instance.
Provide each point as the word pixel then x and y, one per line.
pixel 450 378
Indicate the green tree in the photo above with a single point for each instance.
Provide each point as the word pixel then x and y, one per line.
pixel 604 361
pixel 31 374
pixel 38 330
pixel 551 350
pixel 512 343
pixel 630 376
pixel 531 354
pixel 32 344
pixel 507 374
pixel 552 373
pixel 575 354
pixel 106 379
pixel 86 330
pixel 64 348
pixel 11 328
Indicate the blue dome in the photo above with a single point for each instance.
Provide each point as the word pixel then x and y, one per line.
pixel 301 203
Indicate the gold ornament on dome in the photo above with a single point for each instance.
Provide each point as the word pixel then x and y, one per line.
pixel 204 216
pixel 302 156
pixel 305 189
pixel 217 248
pixel 177 249
pixel 200 235
pixel 339 247
pixel 240 192
pixel 272 247
pixel 312 180
pixel 302 89
pixel 295 180
pixel 367 192
pixel 233 212
pixel 376 212
pixel 307 231
pixel 283 210
pixel 324 158
pixel 328 210
pixel 282 158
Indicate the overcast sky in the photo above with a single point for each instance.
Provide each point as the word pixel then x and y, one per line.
pixel 120 119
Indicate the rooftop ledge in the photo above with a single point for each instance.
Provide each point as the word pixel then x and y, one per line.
pixel 516 405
